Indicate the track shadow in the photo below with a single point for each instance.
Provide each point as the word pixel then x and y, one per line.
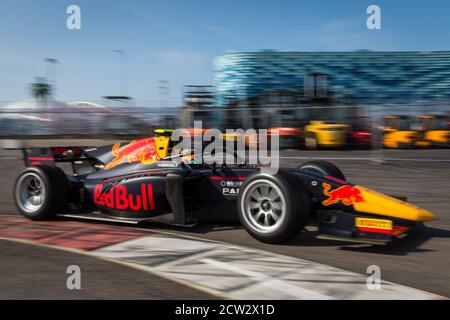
pixel 202 228
pixel 309 239
pixel 306 238
pixel 411 243
pixel 400 247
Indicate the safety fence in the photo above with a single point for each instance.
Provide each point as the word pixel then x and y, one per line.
pixel 302 127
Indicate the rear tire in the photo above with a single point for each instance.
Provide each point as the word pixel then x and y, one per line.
pixel 323 168
pixel 40 192
pixel 274 209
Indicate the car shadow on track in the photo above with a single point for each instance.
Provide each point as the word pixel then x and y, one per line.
pixel 236 234
pixel 400 247
pixel 411 243
pixel 201 228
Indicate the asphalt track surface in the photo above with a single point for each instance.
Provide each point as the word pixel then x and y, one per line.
pixel 34 272
pixel 419 261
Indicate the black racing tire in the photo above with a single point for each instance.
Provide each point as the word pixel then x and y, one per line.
pixel 311 142
pixel 286 192
pixel 324 168
pixel 53 192
pixel 406 145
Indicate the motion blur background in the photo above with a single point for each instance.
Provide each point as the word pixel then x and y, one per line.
pixel 147 64
pixel 396 91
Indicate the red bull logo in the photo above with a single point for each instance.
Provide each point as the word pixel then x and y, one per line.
pixel 119 198
pixel 346 194
pixel 142 150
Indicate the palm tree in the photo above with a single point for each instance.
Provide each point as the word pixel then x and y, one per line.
pixel 41 89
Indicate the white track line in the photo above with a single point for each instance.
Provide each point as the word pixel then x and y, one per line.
pixel 243 273
pixel 269 282
pixel 236 272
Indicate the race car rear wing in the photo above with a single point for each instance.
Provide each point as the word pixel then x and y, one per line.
pixel 35 156
pixel 80 161
pixel 38 156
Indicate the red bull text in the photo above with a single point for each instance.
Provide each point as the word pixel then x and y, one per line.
pixel 118 198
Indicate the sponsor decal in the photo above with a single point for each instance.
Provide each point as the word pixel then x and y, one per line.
pixel 346 194
pixel 230 191
pixel 167 165
pixel 373 223
pixel 137 151
pixel 379 226
pixel 117 197
pixel 231 183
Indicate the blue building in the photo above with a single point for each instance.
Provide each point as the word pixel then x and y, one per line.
pixel 360 77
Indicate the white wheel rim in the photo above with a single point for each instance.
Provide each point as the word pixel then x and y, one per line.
pixel 264 206
pixel 30 192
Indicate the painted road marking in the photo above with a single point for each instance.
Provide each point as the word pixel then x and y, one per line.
pixel 229 271
pixel 240 273
pixel 72 234
pixel 267 281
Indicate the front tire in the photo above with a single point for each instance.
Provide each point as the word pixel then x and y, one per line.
pixel 274 209
pixel 323 168
pixel 40 192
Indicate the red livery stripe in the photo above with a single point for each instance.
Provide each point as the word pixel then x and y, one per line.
pixel 396 231
pixel 231 178
pixel 336 180
pixel 40 159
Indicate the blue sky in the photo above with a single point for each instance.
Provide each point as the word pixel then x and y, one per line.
pixel 176 40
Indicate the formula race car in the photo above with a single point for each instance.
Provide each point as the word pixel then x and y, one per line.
pixel 140 181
